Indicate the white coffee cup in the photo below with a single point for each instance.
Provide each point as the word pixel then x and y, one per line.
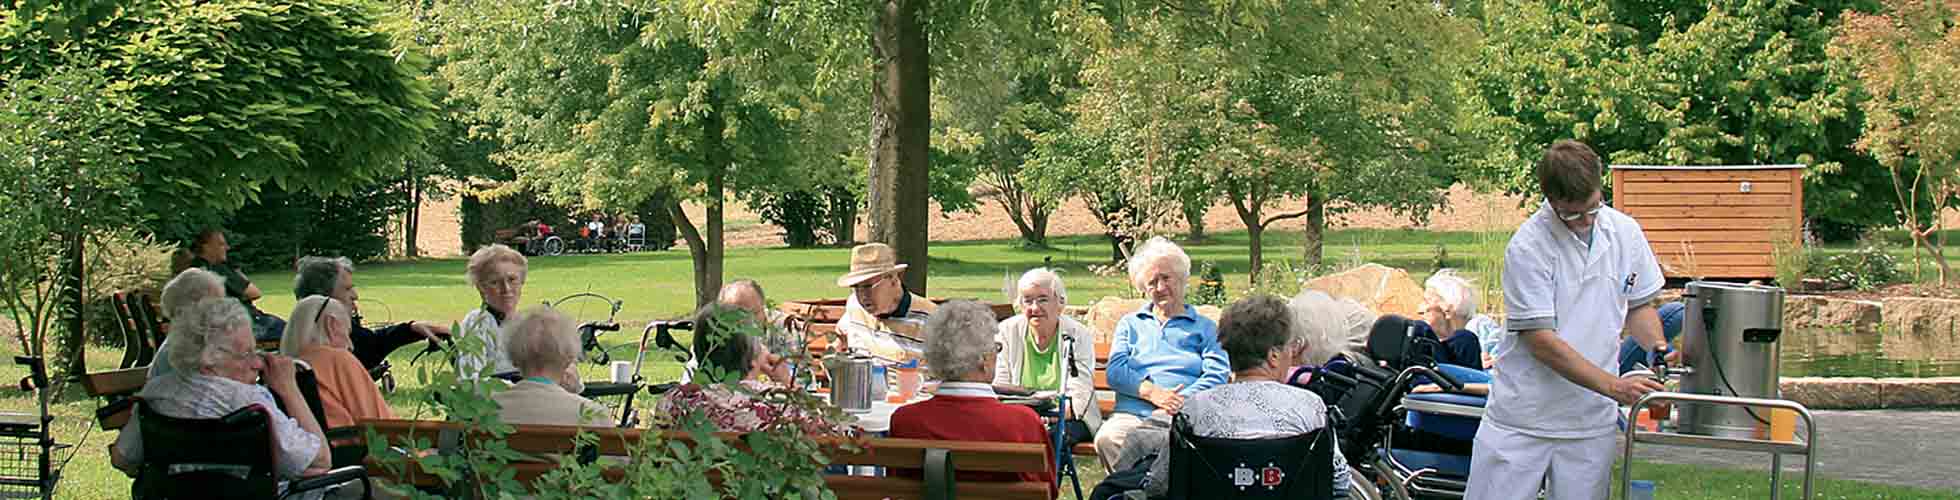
pixel 622 372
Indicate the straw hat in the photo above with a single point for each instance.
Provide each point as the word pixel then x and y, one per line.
pixel 868 261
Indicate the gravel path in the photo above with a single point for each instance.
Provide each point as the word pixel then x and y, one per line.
pixel 1901 447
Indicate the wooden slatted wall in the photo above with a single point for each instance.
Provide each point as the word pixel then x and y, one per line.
pixel 1702 225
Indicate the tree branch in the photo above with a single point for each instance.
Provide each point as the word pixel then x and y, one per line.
pixel 1284 216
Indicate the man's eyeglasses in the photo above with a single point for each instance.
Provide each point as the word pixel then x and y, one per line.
pixel 322 311
pixel 1572 216
pixel 1040 301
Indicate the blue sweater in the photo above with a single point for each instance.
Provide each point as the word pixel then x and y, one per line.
pixel 1183 351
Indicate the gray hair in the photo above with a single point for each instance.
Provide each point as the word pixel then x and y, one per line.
pixel 1158 248
pixel 1455 290
pixel 541 340
pixel 1046 278
pixel 750 284
pixel 197 333
pixel 481 260
pixel 959 336
pixel 318 275
pixel 1329 326
pixel 302 332
pixel 190 287
pixel 1252 327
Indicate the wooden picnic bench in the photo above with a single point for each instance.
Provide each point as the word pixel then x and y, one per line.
pixel 941 460
pixel 115 388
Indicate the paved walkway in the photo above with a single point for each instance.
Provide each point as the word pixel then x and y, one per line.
pixel 1901 447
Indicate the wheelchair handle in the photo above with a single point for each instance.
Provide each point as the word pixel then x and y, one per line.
pixel 1448 383
pixel 607 326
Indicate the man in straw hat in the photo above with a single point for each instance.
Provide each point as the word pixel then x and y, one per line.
pixel 881 317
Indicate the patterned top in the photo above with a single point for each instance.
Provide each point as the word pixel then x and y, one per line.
pixel 739 411
pixel 1251 410
pixel 200 396
pixel 483 325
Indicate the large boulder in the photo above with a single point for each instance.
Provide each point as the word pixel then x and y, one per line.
pixel 1825 326
pixel 1386 290
pixel 1921 329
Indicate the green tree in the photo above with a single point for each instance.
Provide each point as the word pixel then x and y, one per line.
pixel 1685 83
pixel 66 172
pixel 1908 60
pixel 1346 105
pixel 232 95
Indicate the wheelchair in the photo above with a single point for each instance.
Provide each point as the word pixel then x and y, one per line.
pixel 1289 467
pixel 1409 446
pixel 221 458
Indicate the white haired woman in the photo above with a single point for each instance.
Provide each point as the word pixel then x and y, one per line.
pixel 543 345
pixel 1448 304
pixel 189 287
pixel 217 366
pixel 1031 360
pixel 1163 352
pixel 960 351
pixel 334 277
pixel 318 334
pixel 498 273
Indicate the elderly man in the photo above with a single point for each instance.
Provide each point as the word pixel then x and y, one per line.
pixel 881 317
pixel 210 251
pixel 188 288
pixel 217 367
pixel 334 277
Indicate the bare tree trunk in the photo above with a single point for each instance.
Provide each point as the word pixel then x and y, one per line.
pixel 414 214
pixel 1194 221
pixel 1316 234
pixel 901 110
pixel 843 212
pixel 74 303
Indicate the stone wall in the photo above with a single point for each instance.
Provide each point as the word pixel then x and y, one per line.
pixel 1860 393
pixel 1918 329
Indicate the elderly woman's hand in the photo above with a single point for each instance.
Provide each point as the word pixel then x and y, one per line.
pixel 279 372
pixel 1167 399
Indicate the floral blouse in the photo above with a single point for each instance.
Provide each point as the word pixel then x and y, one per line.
pixel 746 410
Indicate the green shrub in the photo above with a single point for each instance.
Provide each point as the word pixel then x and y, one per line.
pixel 1210 287
pixel 1864 269
pixel 120 262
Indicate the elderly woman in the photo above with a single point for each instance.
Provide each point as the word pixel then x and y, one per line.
pixel 334 277
pixel 543 345
pixel 960 351
pixel 318 336
pixel 736 371
pixel 498 274
pixel 212 348
pixel 1162 353
pixel 189 287
pixel 1031 357
pixel 1258 334
pixel 1448 304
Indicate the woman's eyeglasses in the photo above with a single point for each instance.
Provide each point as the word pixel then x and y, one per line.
pixel 322 311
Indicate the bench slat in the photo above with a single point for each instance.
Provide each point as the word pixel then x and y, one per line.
pixel 857 487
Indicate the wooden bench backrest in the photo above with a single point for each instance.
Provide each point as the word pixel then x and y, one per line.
pixel 884 452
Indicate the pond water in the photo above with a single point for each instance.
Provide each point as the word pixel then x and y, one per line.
pixel 1850 353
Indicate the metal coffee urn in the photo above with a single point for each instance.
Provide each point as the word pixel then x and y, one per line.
pixel 1729 342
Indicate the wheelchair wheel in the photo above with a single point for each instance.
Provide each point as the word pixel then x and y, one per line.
pixel 553 246
pixel 387 383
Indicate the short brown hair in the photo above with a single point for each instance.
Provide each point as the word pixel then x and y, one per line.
pixel 1569 172
pixel 1252 327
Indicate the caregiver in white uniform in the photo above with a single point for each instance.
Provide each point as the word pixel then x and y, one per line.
pixel 1575 274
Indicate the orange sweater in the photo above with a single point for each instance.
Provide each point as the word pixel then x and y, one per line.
pixel 347 393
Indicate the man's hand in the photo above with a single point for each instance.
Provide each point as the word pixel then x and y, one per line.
pixel 428 331
pixel 1628 390
pixel 1169 400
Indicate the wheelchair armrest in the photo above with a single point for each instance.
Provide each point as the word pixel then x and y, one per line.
pixel 331 478
pixel 339 433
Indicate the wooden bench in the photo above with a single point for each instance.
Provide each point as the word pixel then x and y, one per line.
pixel 115 387
pixel 546 440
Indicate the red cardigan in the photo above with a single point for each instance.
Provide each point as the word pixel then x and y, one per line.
pixel 974 418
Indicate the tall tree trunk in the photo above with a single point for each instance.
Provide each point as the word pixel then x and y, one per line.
pixel 707 275
pixel 1316 230
pixel 74 303
pixel 697 251
pixel 843 213
pixel 1249 211
pixel 414 214
pixel 1038 217
pixel 901 110
pixel 1194 220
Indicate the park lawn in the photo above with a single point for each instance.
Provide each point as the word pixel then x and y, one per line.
pixel 656 285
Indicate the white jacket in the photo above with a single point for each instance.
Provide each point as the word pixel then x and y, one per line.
pixel 1081 386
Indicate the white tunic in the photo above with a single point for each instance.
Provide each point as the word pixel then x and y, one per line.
pixel 1552 280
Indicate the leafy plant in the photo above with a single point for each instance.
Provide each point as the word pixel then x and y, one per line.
pixel 1210 287
pixel 1864 269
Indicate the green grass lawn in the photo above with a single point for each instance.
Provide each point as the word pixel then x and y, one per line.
pixel 658 285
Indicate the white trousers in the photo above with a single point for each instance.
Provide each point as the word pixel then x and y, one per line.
pixel 1114 433
pixel 1509 465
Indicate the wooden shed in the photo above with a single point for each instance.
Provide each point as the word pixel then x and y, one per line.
pixel 1714 221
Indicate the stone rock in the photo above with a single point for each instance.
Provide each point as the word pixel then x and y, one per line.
pixel 1921 392
pixel 1837 393
pixel 1921 329
pixel 1384 289
pixel 1864 393
pixel 1824 326
pixel 1104 314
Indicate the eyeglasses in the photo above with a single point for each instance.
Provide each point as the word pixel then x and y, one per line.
pixel 511 282
pixel 322 311
pixel 1572 216
pixel 1038 301
pixel 999 347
